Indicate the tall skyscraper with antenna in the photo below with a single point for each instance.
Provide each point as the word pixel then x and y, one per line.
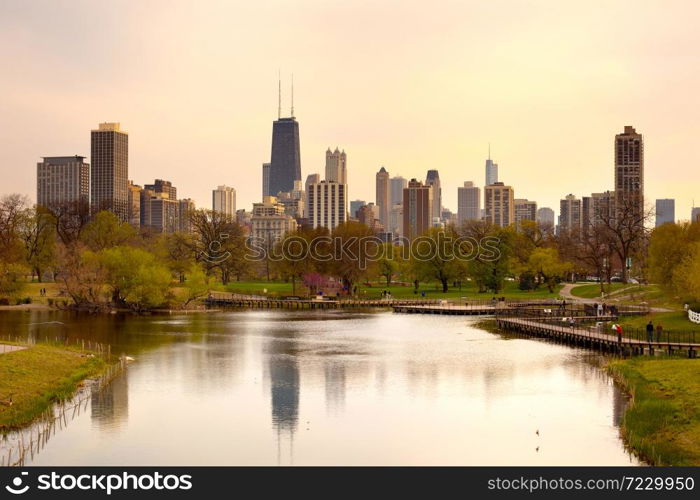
pixel 491 170
pixel 285 157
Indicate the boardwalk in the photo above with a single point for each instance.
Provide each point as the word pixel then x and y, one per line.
pixel 594 338
pixel 10 348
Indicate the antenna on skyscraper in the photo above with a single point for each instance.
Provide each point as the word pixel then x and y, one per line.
pixel 279 94
pixel 292 95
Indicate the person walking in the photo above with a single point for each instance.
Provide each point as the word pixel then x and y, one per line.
pixel 650 332
pixel 600 310
pixel 659 332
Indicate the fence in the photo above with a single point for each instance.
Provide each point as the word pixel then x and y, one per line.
pixel 693 316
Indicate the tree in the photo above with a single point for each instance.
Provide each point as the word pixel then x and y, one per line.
pixel 349 246
pixel 219 243
pixel 545 264
pixel 12 216
pixel 196 285
pixel 179 253
pixel 106 231
pixel 669 247
pixel 39 236
pixel 82 276
pixel 388 263
pixel 437 259
pixel 69 218
pixel 492 263
pixel 687 274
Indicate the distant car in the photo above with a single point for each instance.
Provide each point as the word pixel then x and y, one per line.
pixel 633 281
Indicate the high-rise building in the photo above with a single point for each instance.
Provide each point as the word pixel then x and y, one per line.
pixel 161 186
pixel 491 170
pixel 545 217
pixel 355 205
pixel 432 179
pixel 310 179
pixel 596 209
pixel 109 172
pixel 134 205
pixel 62 179
pixel 266 180
pixel 186 207
pixel 396 220
pixel 468 203
pixel 695 214
pixel 269 223
pixel 224 200
pixel 629 170
pixel 369 216
pixel 285 158
pixel 396 186
pixel 569 214
pixel 294 201
pixel 382 200
pixel 499 204
pixel 158 212
pixel 417 209
pixel 665 211
pixel 336 166
pixel 525 210
pixel 327 204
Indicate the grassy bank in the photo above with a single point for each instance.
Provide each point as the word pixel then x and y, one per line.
pixel 373 291
pixel 36 377
pixel 592 291
pixel 663 422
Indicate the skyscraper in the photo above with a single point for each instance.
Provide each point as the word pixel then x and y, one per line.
pixel 695 214
pixel 396 187
pixel 417 208
pixel 266 180
pixel 432 179
pixel 499 204
pixel 569 214
pixel 382 200
pixel 545 217
pixel 491 170
pixel 62 179
pixel 223 200
pixel 327 204
pixel 336 166
pixel 468 203
pixel 110 169
pixel 665 211
pixel 165 187
pixel 355 205
pixel 310 179
pixel 597 208
pixel 134 204
pixel 629 170
pixel 525 210
pixel 285 158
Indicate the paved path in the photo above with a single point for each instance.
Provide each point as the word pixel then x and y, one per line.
pixel 565 292
pixel 10 348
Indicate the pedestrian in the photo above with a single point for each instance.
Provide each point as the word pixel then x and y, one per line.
pixel 619 334
pixel 572 323
pixel 659 331
pixel 650 332
pixel 600 310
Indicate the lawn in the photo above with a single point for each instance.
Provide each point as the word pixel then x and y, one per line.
pixel 34 378
pixel 663 422
pixel 592 291
pixel 374 290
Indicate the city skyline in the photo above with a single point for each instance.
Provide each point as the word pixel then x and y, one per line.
pixel 532 121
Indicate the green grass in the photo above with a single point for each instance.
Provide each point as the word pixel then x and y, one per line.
pixel 277 288
pixel 592 291
pixel 663 422
pixel 37 377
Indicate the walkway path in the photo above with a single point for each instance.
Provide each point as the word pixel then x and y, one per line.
pixel 565 292
pixel 10 348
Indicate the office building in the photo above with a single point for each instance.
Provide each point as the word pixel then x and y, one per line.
pixel 569 214
pixel 327 204
pixel 266 180
pixel 499 204
pixel 158 212
pixel 382 199
pixel 224 200
pixel 336 166
pixel 417 209
pixel 269 223
pixel 665 211
pixel 491 170
pixel 396 186
pixel 285 157
pixel 61 180
pixel 109 171
pixel 596 209
pixel 134 205
pixel 161 186
pixel 185 209
pixel 468 203
pixel 629 170
pixel 545 217
pixel 432 179
pixel 525 210
pixel 355 205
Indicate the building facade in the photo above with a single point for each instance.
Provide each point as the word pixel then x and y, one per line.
pixel 491 172
pixel 629 170
pixel 432 179
pixel 223 200
pixel 327 204
pixel 109 172
pixel 396 186
pixel 499 204
pixel 545 217
pixel 468 203
pixel 569 214
pixel 336 166
pixel 382 194
pixel 417 209
pixel 269 223
pixel 525 210
pixel 285 156
pixel 61 180
pixel 665 211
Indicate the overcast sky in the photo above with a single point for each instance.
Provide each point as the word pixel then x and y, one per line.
pixel 411 85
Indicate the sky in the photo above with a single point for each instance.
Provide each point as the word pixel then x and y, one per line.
pixel 408 85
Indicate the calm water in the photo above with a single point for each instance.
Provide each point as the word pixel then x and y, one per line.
pixel 332 387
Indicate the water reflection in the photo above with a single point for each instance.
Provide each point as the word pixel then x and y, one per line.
pixel 332 387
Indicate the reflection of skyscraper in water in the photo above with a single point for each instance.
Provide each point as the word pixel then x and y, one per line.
pixel 284 388
pixel 334 374
pixel 110 405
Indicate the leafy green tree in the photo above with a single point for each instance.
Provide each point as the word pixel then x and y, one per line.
pixel 434 257
pixel 388 264
pixel 179 253
pixel 39 236
pixel 197 284
pixel 545 264
pixel 107 231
